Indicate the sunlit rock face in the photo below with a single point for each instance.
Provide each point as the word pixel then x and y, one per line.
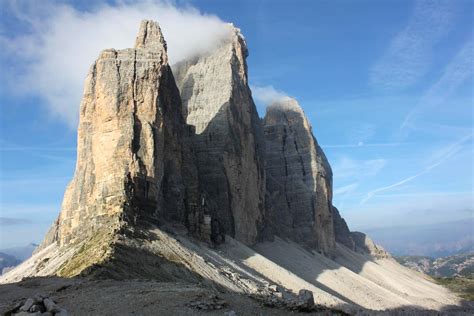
pixel 228 140
pixel 298 179
pixel 129 152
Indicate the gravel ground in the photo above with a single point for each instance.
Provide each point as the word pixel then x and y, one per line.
pixel 135 297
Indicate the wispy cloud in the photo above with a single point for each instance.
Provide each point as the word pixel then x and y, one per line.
pixel 355 173
pixel 267 94
pixel 409 55
pixel 52 60
pixel 347 168
pixel 10 221
pixel 359 145
pixel 362 133
pixel 346 189
pixel 457 72
pixel 420 207
pixel 441 157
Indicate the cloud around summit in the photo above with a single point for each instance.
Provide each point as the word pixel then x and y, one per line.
pixel 52 57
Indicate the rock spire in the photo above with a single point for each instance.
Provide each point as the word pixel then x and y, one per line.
pixel 299 179
pixel 129 152
pixel 228 139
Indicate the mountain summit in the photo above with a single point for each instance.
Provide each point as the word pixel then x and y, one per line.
pixel 130 139
pixel 178 179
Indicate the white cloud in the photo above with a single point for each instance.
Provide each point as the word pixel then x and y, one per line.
pixel 268 94
pixel 409 55
pixel 64 42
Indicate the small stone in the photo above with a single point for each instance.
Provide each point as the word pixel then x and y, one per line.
pixel 305 299
pixel 51 306
pixel 29 302
pixel 62 312
pixel 37 308
pixel 230 313
pixel 38 298
pixel 16 307
pixel 273 288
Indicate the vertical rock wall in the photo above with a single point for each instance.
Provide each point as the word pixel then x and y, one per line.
pixel 129 151
pixel 228 140
pixel 148 152
pixel 299 179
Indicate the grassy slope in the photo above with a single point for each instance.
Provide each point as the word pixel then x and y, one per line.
pixel 463 286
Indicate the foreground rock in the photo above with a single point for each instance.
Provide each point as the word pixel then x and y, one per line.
pixel 37 305
pixel 209 302
pixel 140 297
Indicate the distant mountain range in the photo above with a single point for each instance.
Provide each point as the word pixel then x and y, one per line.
pixel 452 266
pixel 11 257
pixel 435 240
pixel 7 262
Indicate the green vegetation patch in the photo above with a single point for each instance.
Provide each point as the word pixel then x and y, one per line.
pixel 462 286
pixel 94 250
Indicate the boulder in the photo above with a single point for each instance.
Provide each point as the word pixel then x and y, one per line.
pixel 27 305
pixel 37 308
pixel 305 300
pixel 51 306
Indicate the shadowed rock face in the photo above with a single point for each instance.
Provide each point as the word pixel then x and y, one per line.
pixel 341 230
pixel 366 246
pixel 299 179
pixel 228 138
pixel 129 153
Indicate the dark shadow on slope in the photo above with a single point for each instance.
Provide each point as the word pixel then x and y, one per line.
pixel 220 139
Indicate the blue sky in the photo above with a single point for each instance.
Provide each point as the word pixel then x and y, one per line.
pixel 387 86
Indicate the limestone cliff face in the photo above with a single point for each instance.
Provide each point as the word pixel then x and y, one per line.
pixel 192 151
pixel 341 230
pixel 366 246
pixel 228 139
pixel 298 179
pixel 129 152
